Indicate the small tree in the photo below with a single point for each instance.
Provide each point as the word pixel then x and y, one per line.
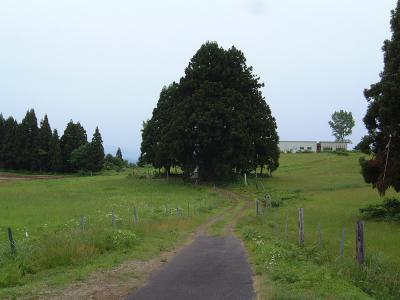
pixel 119 154
pixel 342 124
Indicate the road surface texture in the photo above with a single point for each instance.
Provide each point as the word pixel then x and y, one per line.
pixel 209 268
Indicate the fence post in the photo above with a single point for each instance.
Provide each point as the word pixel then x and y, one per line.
pixel 301 227
pixel 320 241
pixel 82 222
pixel 135 215
pixel 342 241
pixel 257 207
pixel 12 242
pixel 245 179
pixel 360 250
pixel 286 227
pixel 113 218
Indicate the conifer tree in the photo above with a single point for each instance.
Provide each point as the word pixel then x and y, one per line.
pixel 2 133
pixel 45 139
pixel 9 144
pixel 382 118
pixel 55 155
pixel 119 154
pixel 74 136
pixel 28 142
pixel 96 152
pixel 214 120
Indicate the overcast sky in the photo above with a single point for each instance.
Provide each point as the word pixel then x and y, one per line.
pixel 104 62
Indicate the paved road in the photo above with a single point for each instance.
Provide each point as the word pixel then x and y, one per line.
pixel 210 268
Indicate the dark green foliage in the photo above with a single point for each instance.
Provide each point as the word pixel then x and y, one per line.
pixel 388 210
pixel 89 156
pixel 119 154
pixel 74 137
pixel 96 152
pixel 28 143
pixel 214 120
pixel 45 137
pixel 9 145
pixel 382 118
pixel 80 158
pixel 55 155
pixel 342 124
pixel 115 162
pixel 24 146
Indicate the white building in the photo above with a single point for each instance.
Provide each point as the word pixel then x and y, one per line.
pixel 311 146
pixel 298 146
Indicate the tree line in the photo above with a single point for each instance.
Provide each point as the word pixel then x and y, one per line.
pixel 27 146
pixel 214 121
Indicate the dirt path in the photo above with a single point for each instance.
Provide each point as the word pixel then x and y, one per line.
pixel 209 268
pixel 18 177
pixel 220 262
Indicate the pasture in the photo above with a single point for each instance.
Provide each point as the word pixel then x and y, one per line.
pixel 66 228
pixel 331 190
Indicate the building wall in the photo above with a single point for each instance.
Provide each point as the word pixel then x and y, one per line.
pixel 298 146
pixel 333 146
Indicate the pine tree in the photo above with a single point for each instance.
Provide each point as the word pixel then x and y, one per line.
pixel 9 145
pixel 74 136
pixel 214 120
pixel 55 155
pixel 96 152
pixel 119 154
pixel 382 118
pixel 45 139
pixel 28 143
pixel 2 134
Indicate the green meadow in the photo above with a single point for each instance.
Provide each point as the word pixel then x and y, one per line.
pixel 331 190
pixel 67 228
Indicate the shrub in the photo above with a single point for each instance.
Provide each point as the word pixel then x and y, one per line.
pixel 389 210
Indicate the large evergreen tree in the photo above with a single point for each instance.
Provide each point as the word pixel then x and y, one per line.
pixel 383 118
pixel 215 120
pixel 2 134
pixel 55 162
pixel 96 152
pixel 74 136
pixel 8 147
pixel 28 142
pixel 45 139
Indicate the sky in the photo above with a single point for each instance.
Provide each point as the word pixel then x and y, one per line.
pixel 104 63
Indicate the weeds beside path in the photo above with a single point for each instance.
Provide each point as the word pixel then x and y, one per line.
pixel 130 275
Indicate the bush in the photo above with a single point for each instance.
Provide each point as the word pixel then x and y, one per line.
pixel 389 210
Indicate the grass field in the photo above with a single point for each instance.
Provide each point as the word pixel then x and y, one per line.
pixel 54 249
pixel 331 190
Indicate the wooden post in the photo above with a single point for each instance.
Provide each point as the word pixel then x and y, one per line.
pixel 257 207
pixel 245 179
pixel 82 222
pixel 342 241
pixel 12 242
pixel 360 246
pixel 286 227
pixel 301 227
pixel 135 215
pixel 320 241
pixel 113 218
